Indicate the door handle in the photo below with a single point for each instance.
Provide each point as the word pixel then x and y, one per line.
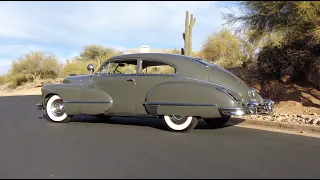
pixel 133 80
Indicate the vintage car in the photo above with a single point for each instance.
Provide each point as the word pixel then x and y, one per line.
pixel 179 89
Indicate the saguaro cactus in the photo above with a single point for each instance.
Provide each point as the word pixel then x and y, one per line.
pixel 187 35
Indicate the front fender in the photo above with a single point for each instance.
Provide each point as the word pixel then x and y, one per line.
pixel 68 92
pixel 80 99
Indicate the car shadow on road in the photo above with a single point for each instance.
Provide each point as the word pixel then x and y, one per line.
pixel 155 123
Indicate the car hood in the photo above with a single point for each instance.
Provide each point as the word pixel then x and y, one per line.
pixel 77 79
pixel 226 78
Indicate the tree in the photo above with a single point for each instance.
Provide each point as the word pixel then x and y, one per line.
pixel 224 49
pixel 97 53
pixel 289 35
pixel 291 19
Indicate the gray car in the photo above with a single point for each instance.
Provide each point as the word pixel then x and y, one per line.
pixel 179 89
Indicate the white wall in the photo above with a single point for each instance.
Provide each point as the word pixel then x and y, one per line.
pixel 144 49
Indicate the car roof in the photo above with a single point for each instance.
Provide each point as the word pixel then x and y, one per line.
pixel 161 56
pixel 185 65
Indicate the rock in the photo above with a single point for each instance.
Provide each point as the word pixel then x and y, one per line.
pixel 314 114
pixel 315 121
pixel 285 78
pixel 309 121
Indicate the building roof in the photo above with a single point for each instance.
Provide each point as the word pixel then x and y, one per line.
pixel 137 50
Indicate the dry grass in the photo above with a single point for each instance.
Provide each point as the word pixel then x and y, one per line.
pixel 7 88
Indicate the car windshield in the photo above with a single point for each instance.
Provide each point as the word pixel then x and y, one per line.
pixel 203 62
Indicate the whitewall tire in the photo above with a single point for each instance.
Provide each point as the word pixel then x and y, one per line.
pixel 56 111
pixel 180 123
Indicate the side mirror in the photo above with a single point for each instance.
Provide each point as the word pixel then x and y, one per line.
pixel 90 68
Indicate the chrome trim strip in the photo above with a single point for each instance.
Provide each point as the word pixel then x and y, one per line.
pixel 177 104
pixel 225 90
pixel 93 102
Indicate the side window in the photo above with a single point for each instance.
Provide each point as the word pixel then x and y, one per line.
pixel 121 67
pixel 156 67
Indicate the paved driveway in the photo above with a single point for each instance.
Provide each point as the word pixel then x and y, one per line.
pixel 32 147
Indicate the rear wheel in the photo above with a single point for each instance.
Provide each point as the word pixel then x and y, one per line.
pixel 217 122
pixel 55 109
pixel 180 123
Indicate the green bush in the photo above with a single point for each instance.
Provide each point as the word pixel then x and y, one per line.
pixel 2 79
pixel 292 59
pixel 77 67
pixel 224 49
pixel 34 66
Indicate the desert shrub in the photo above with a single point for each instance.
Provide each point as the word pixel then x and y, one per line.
pixel 33 66
pixel 97 53
pixel 2 79
pixel 164 69
pixel 292 59
pixel 224 49
pixel 175 51
pixel 77 67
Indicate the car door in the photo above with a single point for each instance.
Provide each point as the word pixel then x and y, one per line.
pixel 152 73
pixel 119 83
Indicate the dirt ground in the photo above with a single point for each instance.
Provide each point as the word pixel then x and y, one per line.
pixel 295 98
pixel 22 92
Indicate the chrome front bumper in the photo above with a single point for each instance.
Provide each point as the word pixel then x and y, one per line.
pixel 252 107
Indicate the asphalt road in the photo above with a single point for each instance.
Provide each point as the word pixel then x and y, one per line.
pixel 32 147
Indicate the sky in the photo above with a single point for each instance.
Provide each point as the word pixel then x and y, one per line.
pixel 64 28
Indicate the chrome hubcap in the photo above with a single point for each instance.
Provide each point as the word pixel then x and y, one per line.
pixel 57 108
pixel 178 119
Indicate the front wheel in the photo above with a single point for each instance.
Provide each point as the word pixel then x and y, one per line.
pixel 180 123
pixel 56 111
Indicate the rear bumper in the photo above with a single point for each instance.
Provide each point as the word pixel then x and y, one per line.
pixel 40 106
pixel 252 107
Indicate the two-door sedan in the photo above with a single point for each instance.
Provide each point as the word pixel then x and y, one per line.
pixel 179 89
